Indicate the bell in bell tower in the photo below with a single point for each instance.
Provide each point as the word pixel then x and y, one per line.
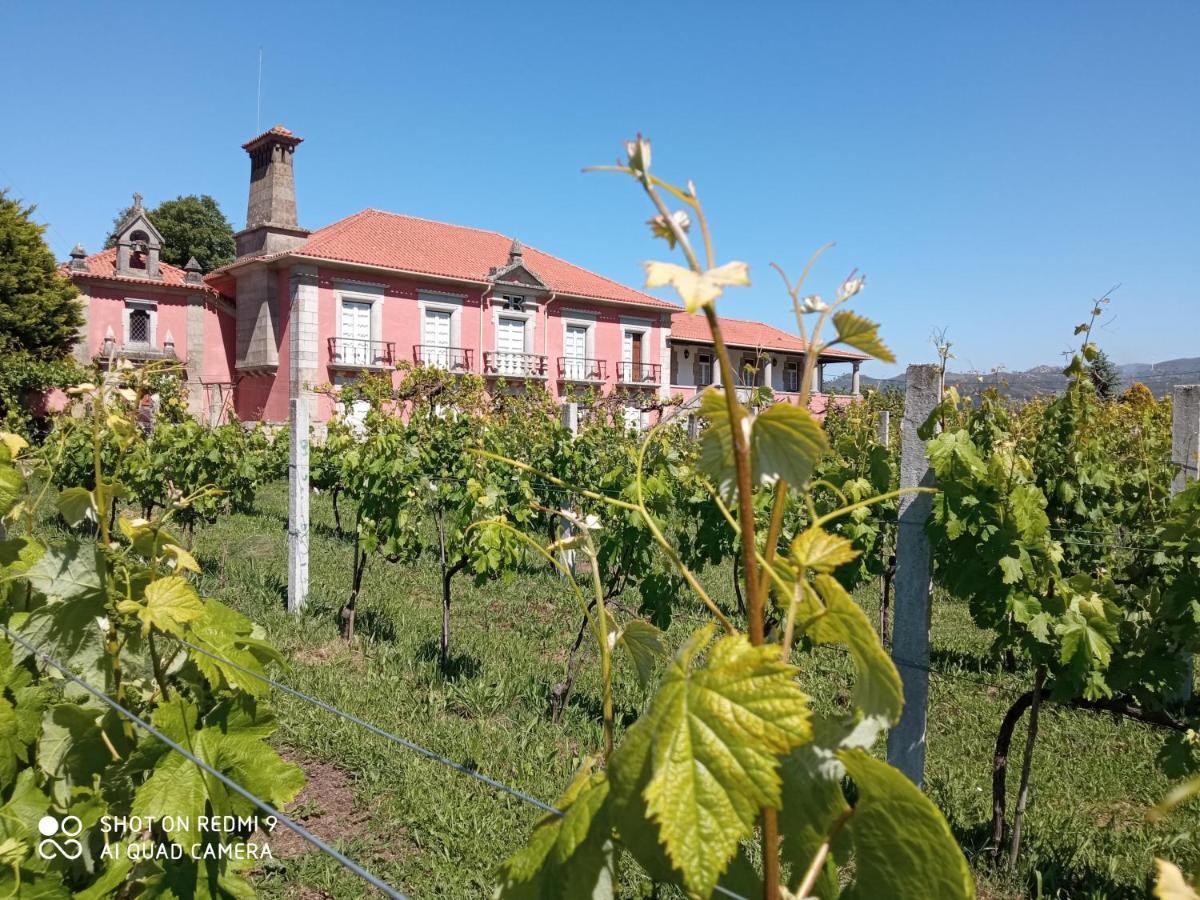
pixel 138 244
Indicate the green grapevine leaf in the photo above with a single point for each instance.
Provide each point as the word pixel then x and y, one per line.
pixel 812 803
pixel 708 750
pixel 568 856
pixel 830 616
pixel 786 442
pixel 819 551
pixel 644 644
pixel 11 485
pixel 169 603
pixel 69 572
pixel 12 749
pixel 903 847
pixel 861 334
pixel 75 505
pixel 716 442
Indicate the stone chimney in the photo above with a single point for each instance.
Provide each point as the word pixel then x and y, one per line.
pixel 192 272
pixel 271 224
pixel 79 259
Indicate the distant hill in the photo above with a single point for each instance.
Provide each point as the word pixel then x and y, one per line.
pixel 1040 380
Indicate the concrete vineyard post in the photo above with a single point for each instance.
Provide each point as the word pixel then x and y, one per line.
pixel 910 630
pixel 1185 455
pixel 302 363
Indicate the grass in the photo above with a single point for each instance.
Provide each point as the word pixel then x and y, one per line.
pixel 436 833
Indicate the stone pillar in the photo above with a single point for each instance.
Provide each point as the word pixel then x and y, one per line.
pixel 301 403
pixel 885 427
pixel 570 417
pixel 820 378
pixel 1185 455
pixel 197 397
pixel 910 630
pixel 1185 435
pixel 768 372
pixel 664 357
pixel 855 380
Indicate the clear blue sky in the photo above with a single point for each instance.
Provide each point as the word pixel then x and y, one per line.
pixel 990 167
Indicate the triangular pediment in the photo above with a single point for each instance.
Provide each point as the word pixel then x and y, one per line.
pixel 137 220
pixel 519 274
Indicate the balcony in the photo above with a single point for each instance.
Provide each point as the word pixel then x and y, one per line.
pixel 503 364
pixel 639 373
pixel 350 353
pixel 134 351
pixel 579 369
pixel 452 359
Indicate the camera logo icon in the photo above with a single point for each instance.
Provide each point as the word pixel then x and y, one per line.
pixel 70 827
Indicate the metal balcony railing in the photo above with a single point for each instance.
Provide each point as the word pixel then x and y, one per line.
pixel 638 373
pixel 514 365
pixel 452 359
pixel 359 354
pixel 577 368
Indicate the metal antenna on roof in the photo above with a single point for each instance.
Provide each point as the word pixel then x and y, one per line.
pixel 258 104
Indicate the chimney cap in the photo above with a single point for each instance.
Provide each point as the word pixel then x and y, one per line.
pixel 276 134
pixel 193 272
pixel 78 259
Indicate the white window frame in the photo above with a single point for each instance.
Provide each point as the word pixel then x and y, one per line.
pixel 150 306
pixel 528 315
pixel 631 325
pixel 361 294
pixel 438 302
pixel 586 321
pixel 790 366
pixel 704 359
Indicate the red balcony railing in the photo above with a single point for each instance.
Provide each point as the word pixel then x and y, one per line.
pixel 504 364
pixel 638 373
pixel 575 368
pixel 452 359
pixel 358 354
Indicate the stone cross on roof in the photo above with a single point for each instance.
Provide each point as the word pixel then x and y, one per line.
pixel 137 200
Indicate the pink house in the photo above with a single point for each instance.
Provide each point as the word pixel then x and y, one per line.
pixel 762 355
pixel 139 308
pixel 298 309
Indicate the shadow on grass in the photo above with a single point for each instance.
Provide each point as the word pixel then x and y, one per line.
pixel 1048 867
pixel 952 662
pixel 593 708
pixel 459 666
pixel 370 623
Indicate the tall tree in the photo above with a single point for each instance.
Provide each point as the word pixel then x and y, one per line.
pixel 1104 375
pixel 191 225
pixel 39 312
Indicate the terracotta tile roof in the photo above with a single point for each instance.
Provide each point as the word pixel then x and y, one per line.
pixel 274 131
pixel 377 238
pixel 104 265
pixel 743 333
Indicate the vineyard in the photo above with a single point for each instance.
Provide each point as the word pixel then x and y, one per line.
pixel 580 660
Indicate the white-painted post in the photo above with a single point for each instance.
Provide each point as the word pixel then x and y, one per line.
pixel 302 362
pixel 855 380
pixel 885 427
pixel 298 487
pixel 1185 456
pixel 910 629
